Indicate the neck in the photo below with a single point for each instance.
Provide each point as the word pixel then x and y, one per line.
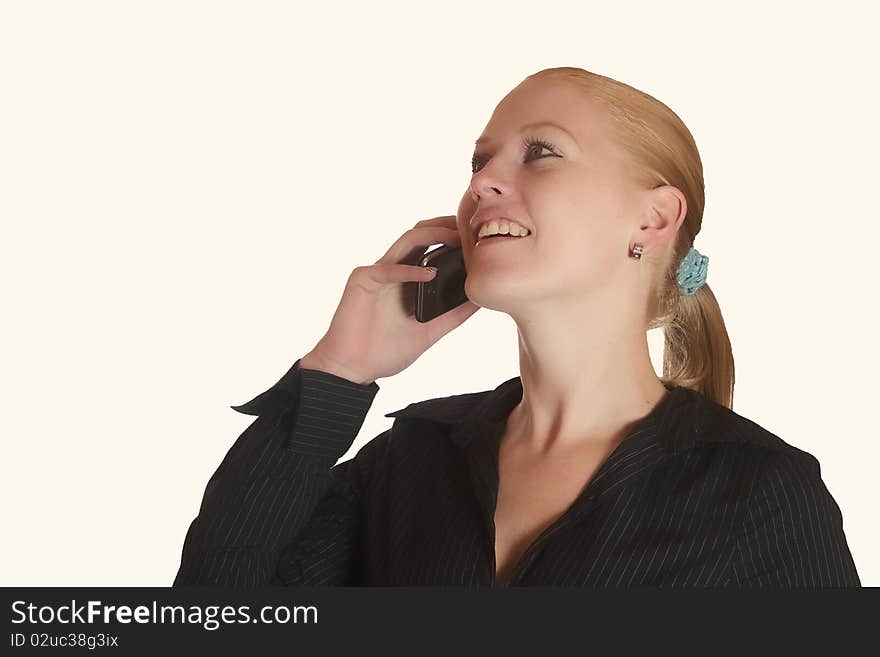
pixel 582 392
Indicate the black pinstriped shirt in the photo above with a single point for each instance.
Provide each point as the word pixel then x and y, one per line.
pixel 694 496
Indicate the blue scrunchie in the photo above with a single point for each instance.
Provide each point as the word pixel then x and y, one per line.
pixel 692 272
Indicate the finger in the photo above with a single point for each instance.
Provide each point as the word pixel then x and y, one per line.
pixel 447 222
pixel 380 274
pixel 407 246
pixel 437 221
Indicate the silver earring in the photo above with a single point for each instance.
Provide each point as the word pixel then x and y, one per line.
pixel 637 251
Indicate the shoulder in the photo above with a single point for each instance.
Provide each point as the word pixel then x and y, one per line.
pixel 755 462
pixel 714 424
pixel 784 494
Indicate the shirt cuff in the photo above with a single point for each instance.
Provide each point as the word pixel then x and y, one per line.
pixel 329 410
pixel 277 398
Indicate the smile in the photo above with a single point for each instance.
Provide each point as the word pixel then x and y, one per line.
pixel 493 239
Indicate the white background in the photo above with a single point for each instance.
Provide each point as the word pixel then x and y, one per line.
pixel 186 186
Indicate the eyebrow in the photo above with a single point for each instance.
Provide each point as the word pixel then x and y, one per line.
pixel 532 126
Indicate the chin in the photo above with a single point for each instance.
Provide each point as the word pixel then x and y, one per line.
pixel 494 292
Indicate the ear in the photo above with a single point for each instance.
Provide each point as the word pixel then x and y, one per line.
pixel 665 210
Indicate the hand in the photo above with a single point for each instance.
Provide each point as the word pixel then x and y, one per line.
pixel 371 335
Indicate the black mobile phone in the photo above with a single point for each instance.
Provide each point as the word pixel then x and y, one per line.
pixel 446 290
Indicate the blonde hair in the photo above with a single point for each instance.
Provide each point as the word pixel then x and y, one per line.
pixel 662 151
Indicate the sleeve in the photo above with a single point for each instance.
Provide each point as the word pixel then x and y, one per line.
pixel 793 530
pixel 277 512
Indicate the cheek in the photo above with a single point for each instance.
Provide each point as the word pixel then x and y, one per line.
pixel 581 247
pixel 589 215
pixel 466 207
pixel 579 251
pixel 466 210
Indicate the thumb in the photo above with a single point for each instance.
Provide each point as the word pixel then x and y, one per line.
pixel 451 319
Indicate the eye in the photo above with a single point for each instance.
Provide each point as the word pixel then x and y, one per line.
pixel 527 145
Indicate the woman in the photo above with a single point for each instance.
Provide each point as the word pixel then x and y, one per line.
pixel 587 469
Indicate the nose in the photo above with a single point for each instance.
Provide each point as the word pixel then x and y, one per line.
pixel 487 181
pixel 477 189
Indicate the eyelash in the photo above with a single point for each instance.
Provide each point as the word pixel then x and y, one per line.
pixel 527 143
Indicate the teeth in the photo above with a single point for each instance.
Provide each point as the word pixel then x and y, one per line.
pixel 502 228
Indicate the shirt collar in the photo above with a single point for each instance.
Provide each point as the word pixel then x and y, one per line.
pixel 675 421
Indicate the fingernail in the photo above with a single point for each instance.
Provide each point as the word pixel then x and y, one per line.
pixel 432 269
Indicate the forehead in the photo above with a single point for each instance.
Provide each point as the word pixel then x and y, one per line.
pixel 550 101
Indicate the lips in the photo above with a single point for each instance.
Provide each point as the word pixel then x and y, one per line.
pixel 479 220
pixel 497 239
